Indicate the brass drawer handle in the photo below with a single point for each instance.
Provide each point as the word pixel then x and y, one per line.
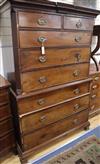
pixel 96 78
pixel 78 38
pixel 76 106
pixel 76 73
pixel 75 122
pixel 43 79
pixel 42 59
pixel 42 39
pixel 42 21
pixel 41 101
pixel 77 91
pixel 94 86
pixel 79 24
pixel 78 57
pixel 93 96
pixel 42 119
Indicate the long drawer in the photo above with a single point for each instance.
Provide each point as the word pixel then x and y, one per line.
pixel 31 39
pixel 51 115
pixel 43 100
pixel 50 77
pixel 3 96
pixel 5 126
pixel 5 112
pixel 42 20
pixel 42 135
pixel 53 57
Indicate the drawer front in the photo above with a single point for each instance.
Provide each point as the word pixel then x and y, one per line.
pixel 29 19
pixel 6 143
pixel 44 100
pixel 42 135
pixel 51 115
pixel 3 96
pixel 95 77
pixel 53 57
pixel 94 104
pixel 50 77
pixel 78 23
pixel 95 86
pixel 4 112
pixel 31 39
pixel 5 126
pixel 95 93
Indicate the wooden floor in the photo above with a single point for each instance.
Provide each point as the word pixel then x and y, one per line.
pixel 12 159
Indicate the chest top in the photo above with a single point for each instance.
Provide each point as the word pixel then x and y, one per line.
pixel 72 5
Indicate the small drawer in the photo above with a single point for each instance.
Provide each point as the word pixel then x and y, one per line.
pixel 51 131
pixel 7 143
pixel 31 39
pixel 36 80
pixel 53 57
pixel 44 100
pixel 39 20
pixel 95 77
pixel 94 104
pixel 95 86
pixel 3 96
pixel 51 115
pixel 78 23
pixel 5 126
pixel 4 112
pixel 95 93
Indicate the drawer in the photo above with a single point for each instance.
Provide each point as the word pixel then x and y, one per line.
pixel 50 77
pixel 6 143
pixel 95 86
pixel 45 134
pixel 3 96
pixel 31 39
pixel 42 20
pixel 5 126
pixel 96 78
pixel 53 57
pixel 51 115
pixel 94 104
pixel 43 100
pixel 4 112
pixel 95 93
pixel 78 23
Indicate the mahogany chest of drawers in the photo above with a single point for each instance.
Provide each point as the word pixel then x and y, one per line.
pixel 6 126
pixel 50 82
